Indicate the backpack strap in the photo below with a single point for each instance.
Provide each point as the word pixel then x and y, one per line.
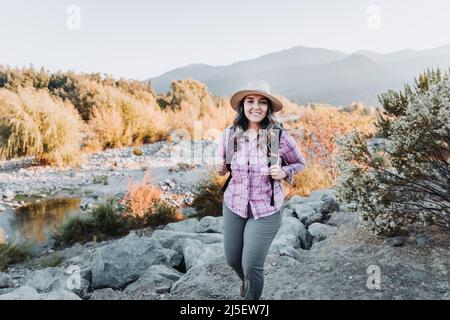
pixel 231 143
pixel 273 146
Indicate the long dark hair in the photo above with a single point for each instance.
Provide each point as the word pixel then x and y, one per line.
pixel 241 120
pixel 240 123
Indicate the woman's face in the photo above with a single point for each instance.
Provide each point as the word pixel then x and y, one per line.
pixel 255 107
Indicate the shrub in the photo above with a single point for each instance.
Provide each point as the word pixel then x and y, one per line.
pixel 162 214
pixel 208 198
pixel 102 223
pixel 32 123
pixel 140 199
pixel 313 177
pixel 77 228
pixel 13 253
pixel 107 221
pixel 120 120
pixel 407 180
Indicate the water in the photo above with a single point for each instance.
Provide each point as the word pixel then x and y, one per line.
pixel 37 220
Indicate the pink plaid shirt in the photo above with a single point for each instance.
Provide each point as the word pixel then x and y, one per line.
pixel 250 183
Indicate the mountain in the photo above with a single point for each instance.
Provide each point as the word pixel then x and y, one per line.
pixel 305 74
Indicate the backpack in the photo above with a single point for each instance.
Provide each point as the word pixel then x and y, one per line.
pixel 232 143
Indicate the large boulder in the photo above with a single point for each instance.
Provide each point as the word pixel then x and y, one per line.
pixel 28 293
pixel 158 279
pixel 187 225
pixel 216 281
pixel 291 237
pixel 303 211
pixel 54 279
pixel 320 231
pixel 197 253
pixel 210 224
pixel 316 217
pixel 329 205
pixel 321 195
pixel 339 218
pixel 124 261
pixel 175 239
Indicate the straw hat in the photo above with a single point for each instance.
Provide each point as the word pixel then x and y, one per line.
pixel 256 86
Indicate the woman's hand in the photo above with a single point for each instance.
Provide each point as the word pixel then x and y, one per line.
pixel 221 169
pixel 277 173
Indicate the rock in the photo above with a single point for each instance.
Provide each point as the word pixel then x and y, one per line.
pixel 320 231
pixel 28 293
pixel 196 253
pixel 296 199
pixel 9 194
pixel 395 241
pixel 329 206
pixel 125 260
pixel 423 240
pixel 321 195
pixel 170 183
pixel 175 239
pixel 288 212
pixel 5 281
pixel 305 213
pixel 339 218
pixel 22 293
pixel 107 294
pixel 291 236
pixel 53 279
pixel 316 217
pixel 156 278
pixel 58 295
pixel 187 225
pixel 210 224
pixel 87 203
pixel 2 208
pixel 207 282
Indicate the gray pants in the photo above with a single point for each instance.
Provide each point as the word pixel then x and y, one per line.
pixel 246 242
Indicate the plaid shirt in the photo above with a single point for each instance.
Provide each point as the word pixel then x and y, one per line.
pixel 250 183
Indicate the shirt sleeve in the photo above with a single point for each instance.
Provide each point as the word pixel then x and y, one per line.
pixel 291 153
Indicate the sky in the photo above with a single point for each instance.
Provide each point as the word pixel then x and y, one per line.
pixel 141 39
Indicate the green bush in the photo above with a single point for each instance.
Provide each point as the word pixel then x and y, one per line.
pixel 402 179
pixel 107 221
pixel 77 228
pixel 208 198
pixel 163 214
pixel 13 253
pixel 104 222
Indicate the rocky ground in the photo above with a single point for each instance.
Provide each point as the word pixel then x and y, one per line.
pixel 320 252
pixel 175 167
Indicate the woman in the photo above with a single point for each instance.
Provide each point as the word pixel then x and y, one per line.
pixel 250 221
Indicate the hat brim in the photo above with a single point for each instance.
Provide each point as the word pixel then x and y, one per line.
pixel 238 96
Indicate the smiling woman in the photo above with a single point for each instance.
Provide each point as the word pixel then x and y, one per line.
pixel 253 196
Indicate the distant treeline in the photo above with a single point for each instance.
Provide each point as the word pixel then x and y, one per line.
pixel 54 115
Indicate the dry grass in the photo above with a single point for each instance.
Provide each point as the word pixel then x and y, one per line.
pixel 32 123
pixel 122 120
pixel 208 198
pixel 313 178
pixel 141 197
pixel 315 133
